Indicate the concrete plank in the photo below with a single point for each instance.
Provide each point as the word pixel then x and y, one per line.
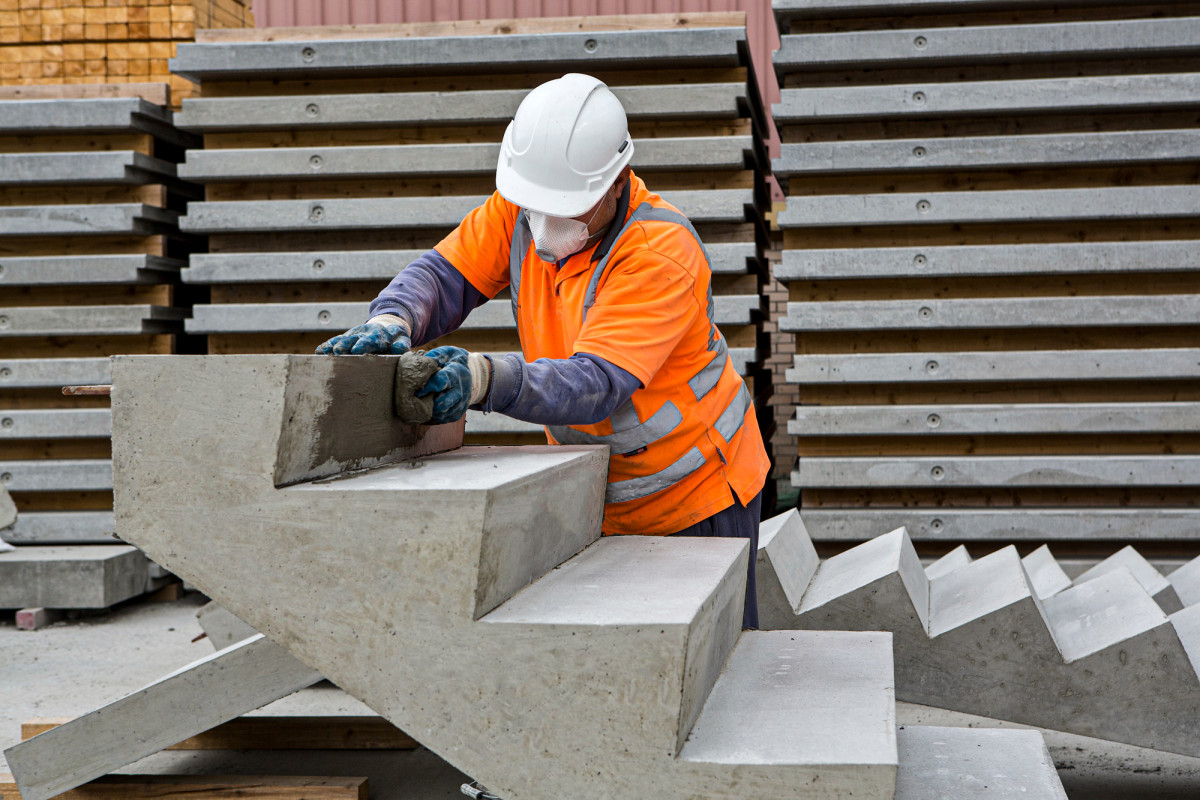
pixel 839 684
pixel 788 10
pixel 86 576
pixel 382 265
pixel 89 320
pixel 493 106
pixel 8 510
pixel 101 167
pixel 993 312
pixel 57 475
pixel 49 372
pixel 86 220
pixel 214 690
pixel 291 163
pixel 338 316
pixel 61 527
pixel 975 44
pixel 990 152
pixel 924 471
pixel 95 115
pixel 994 418
pixel 964 763
pixel 55 423
pixel 384 213
pixel 986 98
pixel 992 206
pixel 512 52
pixel 71 270
pixel 985 260
pixel 1004 524
pixel 1045 574
pixel 989 366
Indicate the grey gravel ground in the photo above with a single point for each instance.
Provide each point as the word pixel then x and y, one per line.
pixel 75 666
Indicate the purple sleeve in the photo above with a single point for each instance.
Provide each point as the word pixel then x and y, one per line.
pixel 580 390
pixel 431 295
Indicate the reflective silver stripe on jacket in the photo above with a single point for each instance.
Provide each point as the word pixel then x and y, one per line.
pixel 734 415
pixel 635 437
pixel 521 239
pixel 634 488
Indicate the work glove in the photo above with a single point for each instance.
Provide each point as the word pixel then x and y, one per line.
pixel 386 334
pixel 463 379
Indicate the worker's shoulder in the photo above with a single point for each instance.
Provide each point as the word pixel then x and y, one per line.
pixel 664 240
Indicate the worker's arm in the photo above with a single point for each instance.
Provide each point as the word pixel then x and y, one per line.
pixel 580 390
pixel 431 296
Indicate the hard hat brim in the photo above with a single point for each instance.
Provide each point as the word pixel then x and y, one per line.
pixel 555 203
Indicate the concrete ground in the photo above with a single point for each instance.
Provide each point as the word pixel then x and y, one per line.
pixel 75 666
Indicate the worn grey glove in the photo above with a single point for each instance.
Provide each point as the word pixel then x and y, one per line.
pixel 385 334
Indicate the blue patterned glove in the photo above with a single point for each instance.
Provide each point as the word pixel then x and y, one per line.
pixel 450 385
pixel 386 334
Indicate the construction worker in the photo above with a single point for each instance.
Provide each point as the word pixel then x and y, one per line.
pixel 612 295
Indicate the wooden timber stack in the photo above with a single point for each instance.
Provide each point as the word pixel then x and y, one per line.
pixel 334 156
pixel 991 243
pixel 54 42
pixel 89 268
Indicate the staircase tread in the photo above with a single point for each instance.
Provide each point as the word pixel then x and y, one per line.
pixel 471 468
pixel 800 698
pixel 1045 573
pixel 970 763
pixel 628 580
pixel 980 588
pixel 1138 566
pixel 860 566
pixel 958 557
pixel 1092 616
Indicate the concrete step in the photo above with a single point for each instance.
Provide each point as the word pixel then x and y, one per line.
pixel 1045 573
pixel 964 764
pixel 978 639
pixel 812 707
pixel 958 557
pixel 1150 578
pixel 644 592
pixel 1186 582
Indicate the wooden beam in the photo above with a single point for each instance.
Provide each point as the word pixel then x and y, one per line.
pixel 207 787
pixel 278 733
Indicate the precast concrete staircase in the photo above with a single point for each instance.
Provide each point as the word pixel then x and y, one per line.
pixel 1002 636
pixel 468 598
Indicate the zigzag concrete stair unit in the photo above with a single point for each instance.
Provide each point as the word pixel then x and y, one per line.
pixel 1100 658
pixel 467 597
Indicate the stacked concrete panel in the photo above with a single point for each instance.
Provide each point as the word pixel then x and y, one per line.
pixel 489 620
pixel 330 161
pixel 89 263
pixel 991 246
pixel 1001 636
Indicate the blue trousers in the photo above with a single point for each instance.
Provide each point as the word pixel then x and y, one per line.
pixel 739 522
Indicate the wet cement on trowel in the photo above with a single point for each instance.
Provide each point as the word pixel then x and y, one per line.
pixel 413 371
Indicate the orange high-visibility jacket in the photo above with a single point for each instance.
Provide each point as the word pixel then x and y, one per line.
pixel 688 440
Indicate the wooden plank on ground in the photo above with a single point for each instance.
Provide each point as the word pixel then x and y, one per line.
pixel 208 787
pixel 278 733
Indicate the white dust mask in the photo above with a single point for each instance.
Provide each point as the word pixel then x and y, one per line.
pixel 555 238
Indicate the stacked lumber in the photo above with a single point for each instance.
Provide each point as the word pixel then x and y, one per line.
pixel 94 41
pixel 991 249
pixel 89 262
pixel 334 156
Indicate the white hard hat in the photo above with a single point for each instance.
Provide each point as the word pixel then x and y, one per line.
pixel 564 148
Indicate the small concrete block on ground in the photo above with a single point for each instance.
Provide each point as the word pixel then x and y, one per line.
pixel 91 576
pixel 32 619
